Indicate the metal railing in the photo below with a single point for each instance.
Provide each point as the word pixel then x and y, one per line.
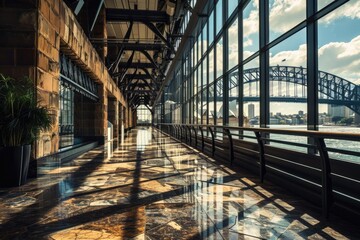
pixel 314 170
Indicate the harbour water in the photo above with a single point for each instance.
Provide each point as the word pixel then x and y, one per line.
pixel 331 143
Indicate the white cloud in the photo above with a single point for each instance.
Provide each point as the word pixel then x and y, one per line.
pixel 341 59
pixel 338 58
pixel 350 10
pixel 248 42
pixel 285 14
pixel 219 59
pixel 290 58
pixel 251 24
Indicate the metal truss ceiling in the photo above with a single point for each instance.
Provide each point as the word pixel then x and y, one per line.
pixel 139 45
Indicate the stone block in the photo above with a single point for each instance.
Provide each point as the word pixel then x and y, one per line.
pixel 18 71
pixel 25 56
pixel 43 97
pixel 28 18
pixel 46 139
pixel 44 8
pixel 20 19
pixel 45 80
pixel 57 41
pixel 54 101
pixel 7 56
pixel 44 27
pixel 43 62
pixel 66 34
pixel 54 20
pixel 26 4
pixel 54 65
pixel 17 39
pixel 52 36
pixel 55 85
pixel 43 45
pixel 56 6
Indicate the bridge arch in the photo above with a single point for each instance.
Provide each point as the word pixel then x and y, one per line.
pixel 336 89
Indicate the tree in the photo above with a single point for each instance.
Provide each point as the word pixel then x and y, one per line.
pixel 347 121
pixel 336 119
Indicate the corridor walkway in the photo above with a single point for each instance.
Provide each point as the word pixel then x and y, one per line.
pixel 156 188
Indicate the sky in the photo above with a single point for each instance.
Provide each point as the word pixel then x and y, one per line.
pixel 338 41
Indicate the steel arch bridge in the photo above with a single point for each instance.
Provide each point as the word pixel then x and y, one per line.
pixel 332 89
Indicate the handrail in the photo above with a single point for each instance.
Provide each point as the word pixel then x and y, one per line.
pixel 262 141
pixel 305 133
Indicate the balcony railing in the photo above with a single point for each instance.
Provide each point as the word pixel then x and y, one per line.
pixel 333 184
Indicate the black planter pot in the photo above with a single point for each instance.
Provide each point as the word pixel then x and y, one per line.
pixel 14 165
pixel 25 163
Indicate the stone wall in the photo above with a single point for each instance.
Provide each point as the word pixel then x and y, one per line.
pixel 32 34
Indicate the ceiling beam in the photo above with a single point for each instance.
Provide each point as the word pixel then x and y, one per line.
pixel 137 65
pixel 156 31
pixel 115 64
pixel 101 2
pixel 126 15
pixel 136 46
pixel 138 76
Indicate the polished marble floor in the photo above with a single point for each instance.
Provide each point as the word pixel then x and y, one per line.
pixel 157 188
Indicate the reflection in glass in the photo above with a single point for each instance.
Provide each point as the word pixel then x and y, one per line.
pixel 251 93
pixel 219 58
pixel 233 97
pixel 205 39
pixel 323 3
pixel 339 65
pixel 219 16
pixel 288 86
pixel 211 66
pixel 211 105
pixel 285 15
pixel 232 4
pixel 219 102
pixel 211 28
pixel 251 29
pixel 233 45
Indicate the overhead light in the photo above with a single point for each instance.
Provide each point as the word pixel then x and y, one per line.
pixel 170 7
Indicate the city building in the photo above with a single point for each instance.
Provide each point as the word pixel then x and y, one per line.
pixel 179 119
pixel 251 110
pixel 339 111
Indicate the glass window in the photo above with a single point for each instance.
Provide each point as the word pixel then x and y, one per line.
pixel 211 105
pixel 195 81
pixel 233 45
pixel 285 15
pixel 66 118
pixel 219 16
pixel 219 58
pixel 199 78
pixel 251 93
pixel 204 73
pixel 211 28
pixel 219 102
pixel 199 43
pixel 233 97
pixel 205 39
pixel 232 4
pixel 288 90
pixel 211 66
pixel 323 3
pixel 204 106
pixel 251 29
pixel 339 65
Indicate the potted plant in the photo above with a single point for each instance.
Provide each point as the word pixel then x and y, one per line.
pixel 21 120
